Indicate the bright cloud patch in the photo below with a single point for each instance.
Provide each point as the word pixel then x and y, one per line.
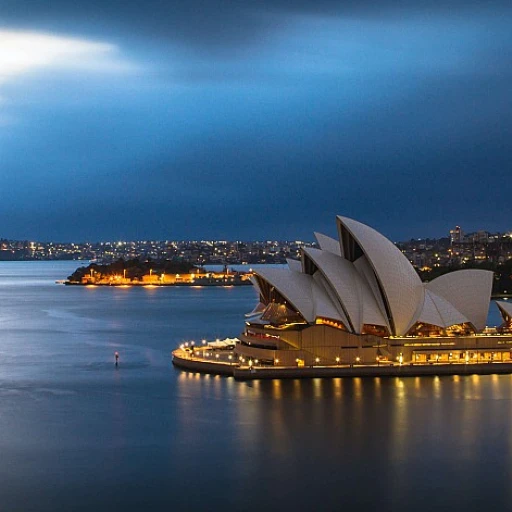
pixel 24 52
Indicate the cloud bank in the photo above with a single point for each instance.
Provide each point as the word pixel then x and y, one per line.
pixel 23 52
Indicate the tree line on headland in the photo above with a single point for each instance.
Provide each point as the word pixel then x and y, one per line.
pixel 133 269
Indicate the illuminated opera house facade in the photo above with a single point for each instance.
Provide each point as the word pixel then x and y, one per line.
pixel 358 300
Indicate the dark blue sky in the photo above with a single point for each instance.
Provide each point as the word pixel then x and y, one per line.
pixel 241 120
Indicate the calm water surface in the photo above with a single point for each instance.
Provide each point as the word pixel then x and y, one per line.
pixel 78 434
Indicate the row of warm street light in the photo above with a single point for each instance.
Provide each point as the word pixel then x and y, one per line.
pixel 190 345
pixel 252 362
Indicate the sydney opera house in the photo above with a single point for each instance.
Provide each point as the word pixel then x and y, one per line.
pixel 358 300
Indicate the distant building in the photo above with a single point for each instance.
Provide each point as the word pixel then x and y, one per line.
pixel 481 237
pixel 456 235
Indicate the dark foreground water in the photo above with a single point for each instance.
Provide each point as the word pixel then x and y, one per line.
pixel 78 434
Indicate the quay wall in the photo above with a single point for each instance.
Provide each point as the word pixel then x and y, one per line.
pixel 372 371
pixel 202 366
pixel 309 372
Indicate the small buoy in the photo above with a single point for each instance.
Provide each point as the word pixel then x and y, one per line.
pixel 116 354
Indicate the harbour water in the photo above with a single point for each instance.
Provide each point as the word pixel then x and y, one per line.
pixel 78 434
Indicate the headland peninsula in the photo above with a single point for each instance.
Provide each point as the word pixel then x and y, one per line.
pixel 154 273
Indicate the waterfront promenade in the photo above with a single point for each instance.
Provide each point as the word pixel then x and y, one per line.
pixel 222 362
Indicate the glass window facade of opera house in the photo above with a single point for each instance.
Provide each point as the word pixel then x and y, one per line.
pixel 358 300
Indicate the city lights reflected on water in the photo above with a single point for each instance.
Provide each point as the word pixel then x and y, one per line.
pixel 403 426
pixel 338 388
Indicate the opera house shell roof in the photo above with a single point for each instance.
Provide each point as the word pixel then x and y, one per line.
pixel 362 283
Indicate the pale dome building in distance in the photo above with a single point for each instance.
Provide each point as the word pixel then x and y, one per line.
pixel 358 300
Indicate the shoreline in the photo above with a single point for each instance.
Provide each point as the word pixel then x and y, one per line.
pixel 183 361
pixel 157 285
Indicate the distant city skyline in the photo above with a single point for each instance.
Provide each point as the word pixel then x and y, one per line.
pixel 152 120
pixel 450 234
pixel 456 248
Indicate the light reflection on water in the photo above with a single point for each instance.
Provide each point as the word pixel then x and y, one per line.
pixel 411 437
pixel 146 436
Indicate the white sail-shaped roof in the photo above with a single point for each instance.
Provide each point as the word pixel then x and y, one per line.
pixel 327 243
pixel 294 265
pixel 352 292
pixel 438 311
pixel 257 311
pixel 294 286
pixel 324 307
pixel 304 292
pixel 469 292
pixel 327 290
pixel 341 275
pixel 505 309
pixel 254 281
pixel 400 284
pixel 372 314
